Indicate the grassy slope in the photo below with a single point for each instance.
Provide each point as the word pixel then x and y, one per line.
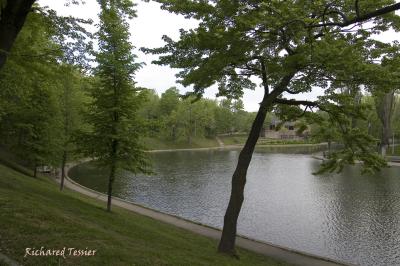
pixel 241 139
pixel 34 214
pixel 158 144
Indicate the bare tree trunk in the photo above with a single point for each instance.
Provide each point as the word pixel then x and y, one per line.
pixel 112 173
pixel 12 19
pixel 110 183
pixel 63 163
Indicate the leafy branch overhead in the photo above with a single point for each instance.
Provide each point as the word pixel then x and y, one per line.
pixel 287 47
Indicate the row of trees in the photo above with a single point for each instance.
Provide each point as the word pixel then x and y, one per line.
pixel 381 120
pixel 54 104
pixel 175 118
pixel 55 107
pixel 41 95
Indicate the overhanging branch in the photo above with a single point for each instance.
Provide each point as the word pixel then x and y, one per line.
pixel 359 18
pixel 295 102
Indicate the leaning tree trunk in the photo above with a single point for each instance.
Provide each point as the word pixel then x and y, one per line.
pixel 12 19
pixel 227 243
pixel 228 237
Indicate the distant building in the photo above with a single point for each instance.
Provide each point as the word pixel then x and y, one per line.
pixel 287 131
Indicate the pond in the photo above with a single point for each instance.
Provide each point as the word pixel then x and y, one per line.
pixel 347 216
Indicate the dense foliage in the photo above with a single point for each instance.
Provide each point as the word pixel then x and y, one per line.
pixel 175 118
pixel 35 85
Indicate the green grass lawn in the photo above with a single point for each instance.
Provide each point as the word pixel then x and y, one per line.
pixel 237 139
pixel 34 213
pixel 158 144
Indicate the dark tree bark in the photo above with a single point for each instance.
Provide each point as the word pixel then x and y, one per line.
pixel 359 18
pixel 112 173
pixel 227 242
pixel 63 163
pixel 12 19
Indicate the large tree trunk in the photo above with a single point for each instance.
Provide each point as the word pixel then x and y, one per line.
pixel 228 237
pixel 63 163
pixel 227 243
pixel 12 19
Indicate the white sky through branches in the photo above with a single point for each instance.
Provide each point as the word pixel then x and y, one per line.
pixel 146 31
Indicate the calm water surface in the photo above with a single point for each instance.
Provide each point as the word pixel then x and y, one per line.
pixel 347 216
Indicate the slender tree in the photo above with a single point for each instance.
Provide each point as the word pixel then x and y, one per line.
pixel 114 137
pixel 291 47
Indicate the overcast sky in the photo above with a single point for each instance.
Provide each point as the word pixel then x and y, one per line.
pixel 146 30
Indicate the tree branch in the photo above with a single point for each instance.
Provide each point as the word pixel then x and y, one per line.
pixel 359 18
pixel 295 102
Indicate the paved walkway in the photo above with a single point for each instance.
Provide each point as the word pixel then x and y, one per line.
pixel 273 251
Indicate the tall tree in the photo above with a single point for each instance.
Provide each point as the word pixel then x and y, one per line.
pixel 384 103
pixel 114 137
pixel 384 97
pixel 290 46
pixel 169 101
pixel 28 96
pixel 71 104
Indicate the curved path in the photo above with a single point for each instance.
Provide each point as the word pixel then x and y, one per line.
pixel 273 251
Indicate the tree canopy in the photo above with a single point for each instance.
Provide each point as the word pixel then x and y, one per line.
pixel 288 47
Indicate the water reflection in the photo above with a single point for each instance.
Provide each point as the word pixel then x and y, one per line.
pixel 343 216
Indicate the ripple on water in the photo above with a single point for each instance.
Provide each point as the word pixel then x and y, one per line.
pixel 345 216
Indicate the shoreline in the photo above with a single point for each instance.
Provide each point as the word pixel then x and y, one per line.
pixel 239 146
pixel 285 254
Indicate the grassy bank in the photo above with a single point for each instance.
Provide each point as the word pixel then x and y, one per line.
pixel 240 139
pixel 35 214
pixel 161 144
pixel 237 139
